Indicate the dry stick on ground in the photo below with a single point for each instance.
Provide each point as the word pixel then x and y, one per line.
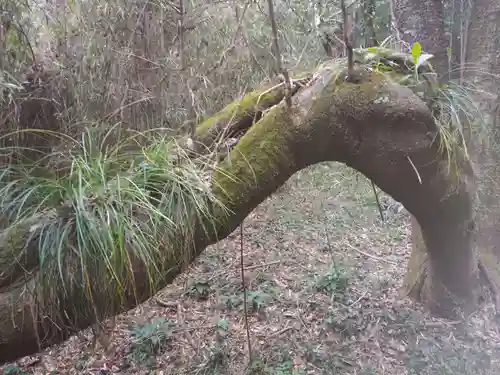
pixel 371 256
pixel 279 65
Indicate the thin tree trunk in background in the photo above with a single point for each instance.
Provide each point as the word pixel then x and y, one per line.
pixel 460 19
pixel 369 24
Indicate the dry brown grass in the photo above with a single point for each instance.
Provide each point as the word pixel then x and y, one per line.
pixel 129 65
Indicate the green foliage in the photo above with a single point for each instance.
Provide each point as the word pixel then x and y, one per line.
pixel 150 339
pixel 89 220
pixel 232 301
pixel 199 290
pixel 256 300
pixel 258 367
pixel 416 51
pixel 285 368
pixel 13 370
pixel 333 282
pixel 223 324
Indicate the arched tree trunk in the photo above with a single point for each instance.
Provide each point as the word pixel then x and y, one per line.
pixel 375 126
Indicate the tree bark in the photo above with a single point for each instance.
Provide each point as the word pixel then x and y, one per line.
pixel 481 54
pixel 483 50
pixel 375 126
pixel 423 21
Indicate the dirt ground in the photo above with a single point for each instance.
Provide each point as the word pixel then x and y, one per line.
pixel 323 273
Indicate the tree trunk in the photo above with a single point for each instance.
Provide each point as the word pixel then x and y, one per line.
pixel 375 126
pixel 422 21
pixel 483 50
pixel 483 46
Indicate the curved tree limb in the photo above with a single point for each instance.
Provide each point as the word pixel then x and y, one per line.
pixel 374 126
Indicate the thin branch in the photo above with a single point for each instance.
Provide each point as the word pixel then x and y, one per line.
pixel 393 21
pixel 347 31
pixel 245 307
pixel 378 202
pixel 180 32
pixel 279 64
pixel 370 255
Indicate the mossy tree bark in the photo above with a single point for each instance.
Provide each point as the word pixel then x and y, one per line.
pixel 375 126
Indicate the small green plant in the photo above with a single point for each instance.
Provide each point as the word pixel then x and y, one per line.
pixel 258 299
pixel 333 282
pixel 217 353
pixel 199 290
pixel 217 360
pixel 232 302
pixel 285 368
pixel 418 57
pixel 151 339
pixel 257 367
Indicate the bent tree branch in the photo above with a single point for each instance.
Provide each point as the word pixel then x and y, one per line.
pixel 376 126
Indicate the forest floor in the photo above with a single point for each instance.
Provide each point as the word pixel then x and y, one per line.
pixel 324 277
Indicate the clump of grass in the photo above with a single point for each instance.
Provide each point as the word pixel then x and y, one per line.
pixel 92 223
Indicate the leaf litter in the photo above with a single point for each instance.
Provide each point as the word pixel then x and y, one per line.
pixel 324 277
